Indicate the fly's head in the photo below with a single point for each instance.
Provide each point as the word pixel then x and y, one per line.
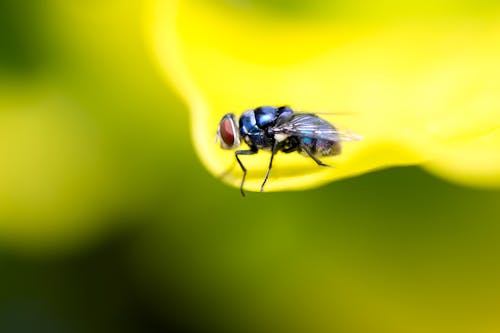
pixel 228 132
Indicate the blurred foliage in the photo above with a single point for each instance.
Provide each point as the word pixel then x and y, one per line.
pixel 81 134
pixel 22 40
pixel 109 222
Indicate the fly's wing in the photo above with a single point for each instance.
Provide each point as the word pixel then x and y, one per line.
pixel 311 126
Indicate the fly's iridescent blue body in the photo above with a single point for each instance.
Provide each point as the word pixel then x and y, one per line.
pixel 279 129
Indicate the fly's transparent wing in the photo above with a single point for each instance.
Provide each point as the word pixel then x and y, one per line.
pixel 312 126
pixel 348 135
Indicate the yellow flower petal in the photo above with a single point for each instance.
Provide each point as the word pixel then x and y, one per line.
pixel 422 84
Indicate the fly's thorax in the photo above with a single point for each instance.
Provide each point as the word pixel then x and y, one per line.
pixel 254 125
pixel 258 139
pixel 265 116
pixel 247 123
pixel 262 118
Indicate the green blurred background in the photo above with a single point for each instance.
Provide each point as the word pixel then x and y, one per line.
pixel 109 223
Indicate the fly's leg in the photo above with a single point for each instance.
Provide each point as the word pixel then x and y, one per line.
pixel 311 155
pixel 291 145
pixel 290 150
pixel 275 146
pixel 251 151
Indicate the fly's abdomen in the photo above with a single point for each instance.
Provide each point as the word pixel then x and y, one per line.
pixel 320 147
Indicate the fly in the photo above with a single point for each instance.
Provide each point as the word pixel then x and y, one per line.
pixel 280 129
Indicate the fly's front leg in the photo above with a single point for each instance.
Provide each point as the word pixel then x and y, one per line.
pixel 251 151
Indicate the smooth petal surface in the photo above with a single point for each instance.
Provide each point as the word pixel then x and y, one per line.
pixel 421 82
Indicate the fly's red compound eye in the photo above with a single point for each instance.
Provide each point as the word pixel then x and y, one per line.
pixel 228 132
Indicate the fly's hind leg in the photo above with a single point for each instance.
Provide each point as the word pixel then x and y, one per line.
pixel 311 155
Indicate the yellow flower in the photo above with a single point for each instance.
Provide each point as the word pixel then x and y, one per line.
pixel 421 82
